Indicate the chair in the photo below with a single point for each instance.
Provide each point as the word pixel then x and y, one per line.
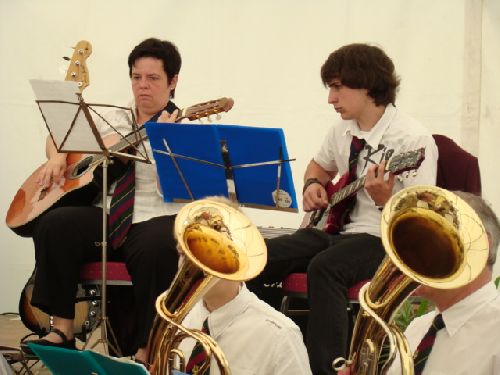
pixel 117 273
pixel 457 169
pixel 91 279
pixel 295 286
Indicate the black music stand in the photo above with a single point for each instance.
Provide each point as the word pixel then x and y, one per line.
pixel 248 165
pixel 72 129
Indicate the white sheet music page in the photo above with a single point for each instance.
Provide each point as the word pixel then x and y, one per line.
pixel 59 116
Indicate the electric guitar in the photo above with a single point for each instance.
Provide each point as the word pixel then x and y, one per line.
pixel 330 218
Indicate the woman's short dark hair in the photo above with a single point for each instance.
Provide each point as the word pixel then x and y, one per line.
pixel 162 50
pixel 361 66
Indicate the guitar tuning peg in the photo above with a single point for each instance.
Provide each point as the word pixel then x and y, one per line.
pixel 66 58
pixel 200 120
pixel 414 173
pixel 218 116
pixel 400 178
pixel 209 119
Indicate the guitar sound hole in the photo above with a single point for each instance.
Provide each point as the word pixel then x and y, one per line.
pixel 82 167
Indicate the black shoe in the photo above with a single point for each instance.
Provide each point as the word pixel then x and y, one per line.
pixel 65 344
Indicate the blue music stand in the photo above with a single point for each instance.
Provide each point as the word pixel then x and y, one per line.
pixel 246 164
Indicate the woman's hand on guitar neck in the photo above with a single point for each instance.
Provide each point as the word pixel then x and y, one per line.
pixel 314 197
pixel 167 117
pixel 53 170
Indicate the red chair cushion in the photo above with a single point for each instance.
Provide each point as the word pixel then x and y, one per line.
pixel 116 271
pixel 353 291
pixel 297 283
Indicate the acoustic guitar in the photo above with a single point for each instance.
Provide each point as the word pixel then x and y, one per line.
pixel 329 219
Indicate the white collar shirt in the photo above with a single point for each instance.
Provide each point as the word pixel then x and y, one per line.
pixel 469 343
pixel 393 134
pixel 254 337
pixel 148 202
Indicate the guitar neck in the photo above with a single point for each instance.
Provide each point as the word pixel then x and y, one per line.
pixel 132 138
pixel 138 136
pixel 346 191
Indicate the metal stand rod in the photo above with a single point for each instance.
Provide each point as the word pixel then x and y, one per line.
pixel 103 320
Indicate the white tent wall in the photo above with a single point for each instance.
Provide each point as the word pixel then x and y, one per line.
pixel 267 56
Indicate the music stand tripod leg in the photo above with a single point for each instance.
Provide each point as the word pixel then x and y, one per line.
pixel 103 321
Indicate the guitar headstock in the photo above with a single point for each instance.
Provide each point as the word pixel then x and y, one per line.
pixel 77 70
pixel 206 109
pixel 406 161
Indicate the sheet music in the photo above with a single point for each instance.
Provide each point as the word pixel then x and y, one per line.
pixel 59 116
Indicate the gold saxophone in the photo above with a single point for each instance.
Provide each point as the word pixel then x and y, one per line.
pixel 431 237
pixel 217 241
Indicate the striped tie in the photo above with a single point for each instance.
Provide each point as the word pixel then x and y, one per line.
pixel 198 355
pixel 425 346
pixel 122 207
pixel 356 147
pixel 122 201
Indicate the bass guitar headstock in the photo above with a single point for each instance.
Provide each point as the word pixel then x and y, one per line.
pixel 77 70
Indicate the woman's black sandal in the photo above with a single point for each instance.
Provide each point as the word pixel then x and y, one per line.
pixel 66 344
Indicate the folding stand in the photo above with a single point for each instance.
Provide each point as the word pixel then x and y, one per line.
pixel 249 165
pixel 60 104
